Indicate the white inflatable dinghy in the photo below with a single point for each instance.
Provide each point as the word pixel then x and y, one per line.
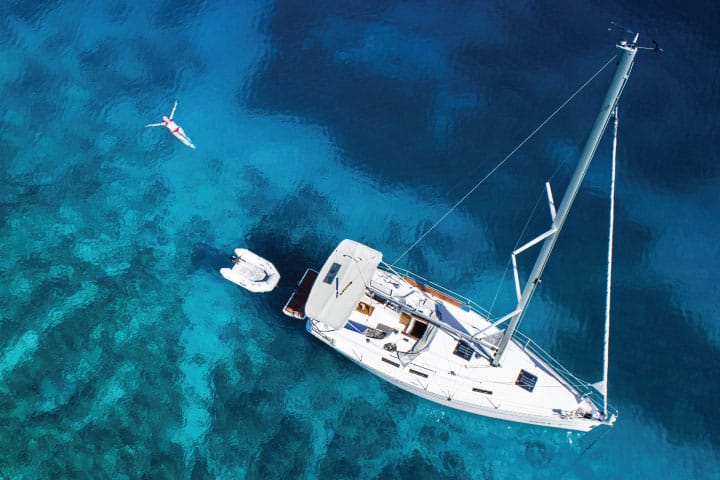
pixel 251 271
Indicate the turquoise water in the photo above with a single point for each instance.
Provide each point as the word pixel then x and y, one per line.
pixel 124 354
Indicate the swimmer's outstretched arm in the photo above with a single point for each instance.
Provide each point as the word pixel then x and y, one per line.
pixel 154 125
pixel 173 110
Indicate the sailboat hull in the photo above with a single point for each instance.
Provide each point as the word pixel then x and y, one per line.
pixel 550 419
pixel 430 344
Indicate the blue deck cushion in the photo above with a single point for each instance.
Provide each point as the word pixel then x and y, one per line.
pixel 355 327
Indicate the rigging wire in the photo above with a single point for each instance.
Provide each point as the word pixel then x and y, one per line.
pixel 508 265
pixel 611 229
pixel 517 244
pixel 502 162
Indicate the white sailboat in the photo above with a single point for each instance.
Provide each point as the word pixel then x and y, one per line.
pixel 439 346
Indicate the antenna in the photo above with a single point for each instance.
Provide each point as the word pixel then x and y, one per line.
pixel 655 48
pixel 623 42
pixel 616 26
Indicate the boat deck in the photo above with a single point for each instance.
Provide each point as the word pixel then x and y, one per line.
pixel 379 334
pixel 295 306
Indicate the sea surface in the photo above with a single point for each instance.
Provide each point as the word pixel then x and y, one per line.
pixel 123 352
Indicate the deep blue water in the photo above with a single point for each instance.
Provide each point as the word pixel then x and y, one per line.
pixel 124 354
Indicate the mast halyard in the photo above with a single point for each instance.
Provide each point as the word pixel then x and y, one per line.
pixel 617 85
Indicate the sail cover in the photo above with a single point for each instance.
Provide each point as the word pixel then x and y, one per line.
pixel 341 282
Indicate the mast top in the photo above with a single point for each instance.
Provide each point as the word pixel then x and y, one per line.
pixel 632 46
pixel 625 45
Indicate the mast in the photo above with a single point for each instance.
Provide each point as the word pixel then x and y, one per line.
pixel 625 64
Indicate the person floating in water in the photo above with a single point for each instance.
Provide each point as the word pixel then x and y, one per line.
pixel 174 128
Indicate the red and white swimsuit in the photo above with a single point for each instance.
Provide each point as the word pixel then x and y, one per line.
pixel 169 124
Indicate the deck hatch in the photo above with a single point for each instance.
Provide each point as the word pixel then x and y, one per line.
pixel 463 350
pixel 332 273
pixel 526 380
